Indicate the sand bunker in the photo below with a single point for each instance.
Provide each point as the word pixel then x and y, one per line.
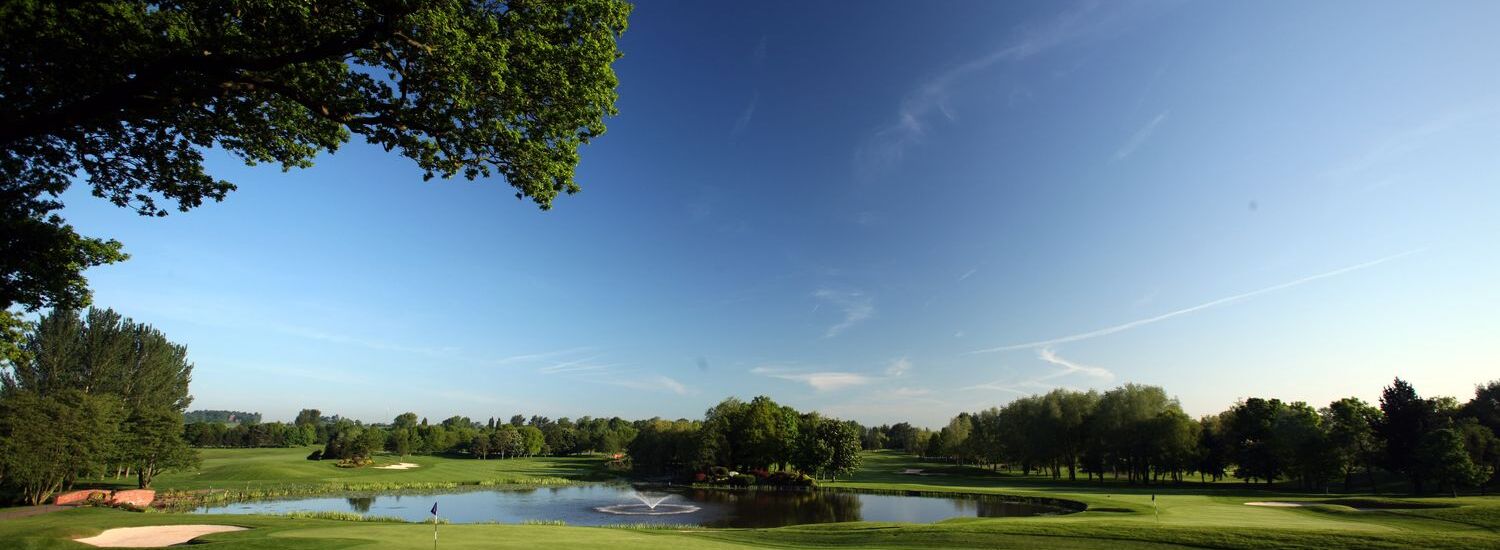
pixel 398 466
pixel 151 537
pixel 1277 504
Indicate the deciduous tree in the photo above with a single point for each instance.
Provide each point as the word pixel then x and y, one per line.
pixel 126 95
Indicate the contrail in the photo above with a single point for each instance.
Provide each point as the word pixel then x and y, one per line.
pixel 1199 307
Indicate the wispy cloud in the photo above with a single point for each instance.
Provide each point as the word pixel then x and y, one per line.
pixel 967 274
pixel 1206 305
pixel 1070 367
pixel 656 383
pixel 1044 382
pixel 577 366
pixel 820 381
pixel 1405 142
pixel 856 307
pixel 834 380
pixel 898 367
pixel 466 396
pixel 1140 137
pixel 918 405
pixel 1147 298
pixel 534 357
pixel 758 55
pixel 1018 388
pixel 574 361
pixel 321 373
pixel 745 116
pixel 378 345
pixel 914 117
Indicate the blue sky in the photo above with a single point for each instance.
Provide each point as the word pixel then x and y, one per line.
pixel 890 212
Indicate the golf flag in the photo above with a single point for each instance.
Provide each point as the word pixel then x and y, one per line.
pixel 1154 510
pixel 434 509
pixel 434 525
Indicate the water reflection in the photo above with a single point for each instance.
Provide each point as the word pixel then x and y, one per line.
pixel 580 504
pixel 776 509
pixel 361 504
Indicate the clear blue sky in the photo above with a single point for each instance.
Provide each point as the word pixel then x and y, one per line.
pixel 890 211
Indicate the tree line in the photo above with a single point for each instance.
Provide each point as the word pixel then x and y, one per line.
pixel 1139 433
pixel 221 416
pixel 754 436
pixel 346 439
pixel 91 395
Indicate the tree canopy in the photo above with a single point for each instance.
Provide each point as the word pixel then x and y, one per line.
pixel 96 393
pixel 127 95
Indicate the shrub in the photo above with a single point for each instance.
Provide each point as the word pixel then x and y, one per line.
pixel 742 480
pixel 718 471
pixel 356 462
pixel 788 479
pixel 760 473
pixel 700 477
pixel 316 455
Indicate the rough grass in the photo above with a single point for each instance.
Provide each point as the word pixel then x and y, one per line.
pixel 341 516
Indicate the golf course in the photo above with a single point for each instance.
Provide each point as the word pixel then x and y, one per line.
pixel 1118 515
pixel 634 274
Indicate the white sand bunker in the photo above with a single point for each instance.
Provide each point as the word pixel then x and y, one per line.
pixel 1277 504
pixel 151 537
pixel 397 466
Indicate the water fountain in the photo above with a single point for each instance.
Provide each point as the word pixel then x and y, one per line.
pixel 649 506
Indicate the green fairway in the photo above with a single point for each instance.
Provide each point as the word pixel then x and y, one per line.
pixel 1119 516
pixel 235 468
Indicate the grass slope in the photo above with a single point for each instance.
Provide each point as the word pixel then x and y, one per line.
pixel 237 468
pixel 1120 517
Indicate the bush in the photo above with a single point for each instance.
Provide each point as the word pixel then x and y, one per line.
pixel 742 480
pixel 760 473
pixel 788 479
pixel 718 472
pixel 700 477
pixel 618 465
pixel 316 455
pixel 356 462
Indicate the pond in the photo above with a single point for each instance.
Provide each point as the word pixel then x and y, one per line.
pixel 617 504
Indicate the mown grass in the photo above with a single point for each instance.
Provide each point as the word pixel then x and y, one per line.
pixel 233 469
pixel 1119 517
pixel 232 475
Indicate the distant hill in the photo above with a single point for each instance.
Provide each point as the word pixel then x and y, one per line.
pixel 222 417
